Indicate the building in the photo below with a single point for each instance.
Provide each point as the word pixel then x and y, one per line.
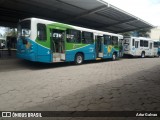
pixel 155 33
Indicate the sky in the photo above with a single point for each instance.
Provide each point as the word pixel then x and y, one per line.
pixel 147 10
pixel 2 31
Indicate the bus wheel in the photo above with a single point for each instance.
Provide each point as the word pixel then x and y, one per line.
pixel 142 55
pixel 79 59
pixel 114 57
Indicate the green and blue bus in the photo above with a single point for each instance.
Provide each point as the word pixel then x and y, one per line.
pixel 157 47
pixel 48 41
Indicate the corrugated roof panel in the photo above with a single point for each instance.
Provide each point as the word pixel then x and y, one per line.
pixel 126 26
pixel 84 4
pixel 114 28
pixel 138 24
pixel 86 23
pixel 114 14
pixel 95 14
pixel 100 19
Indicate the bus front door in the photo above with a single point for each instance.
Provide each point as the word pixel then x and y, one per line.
pixel 99 46
pixel 137 49
pixel 151 50
pixel 57 39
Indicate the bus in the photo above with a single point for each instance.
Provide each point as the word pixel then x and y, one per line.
pixel 139 46
pixel 157 48
pixel 48 41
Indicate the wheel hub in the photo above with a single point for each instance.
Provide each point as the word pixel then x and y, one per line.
pixel 79 59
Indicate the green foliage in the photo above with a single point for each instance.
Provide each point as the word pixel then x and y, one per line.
pixel 10 32
pixel 126 34
pixel 144 32
pixel 138 33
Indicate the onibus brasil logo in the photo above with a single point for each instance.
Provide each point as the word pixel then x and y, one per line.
pixel 21 114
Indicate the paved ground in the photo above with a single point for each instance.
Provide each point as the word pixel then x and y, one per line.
pixel 4 54
pixel 123 85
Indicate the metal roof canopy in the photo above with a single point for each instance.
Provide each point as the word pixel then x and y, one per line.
pixel 94 14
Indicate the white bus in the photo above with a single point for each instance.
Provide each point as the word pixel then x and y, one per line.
pixel 138 46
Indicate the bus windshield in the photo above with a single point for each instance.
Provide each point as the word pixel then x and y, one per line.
pixel 24 28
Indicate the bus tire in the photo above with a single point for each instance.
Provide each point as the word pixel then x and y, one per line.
pixel 143 55
pixel 78 59
pixel 114 57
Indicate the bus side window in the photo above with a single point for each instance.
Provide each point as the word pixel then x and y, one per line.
pixel 133 42
pixel 114 40
pixel 141 43
pixel 73 36
pixel 136 44
pixel 87 37
pixel 150 46
pixel 41 32
pixel 155 44
pixel 145 43
pixel 107 40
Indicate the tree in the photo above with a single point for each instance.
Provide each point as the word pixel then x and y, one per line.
pixel 10 32
pixel 126 34
pixel 138 33
pixel 143 32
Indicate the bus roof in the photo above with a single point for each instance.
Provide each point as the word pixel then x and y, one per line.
pixel 76 27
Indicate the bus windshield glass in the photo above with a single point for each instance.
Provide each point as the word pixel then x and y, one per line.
pixel 156 44
pixel 24 28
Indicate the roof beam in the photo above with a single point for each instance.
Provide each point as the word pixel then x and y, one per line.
pixel 92 11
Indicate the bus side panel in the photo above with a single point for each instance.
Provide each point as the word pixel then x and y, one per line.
pixel 155 51
pixel 109 50
pixel 87 50
pixel 26 51
pixel 43 54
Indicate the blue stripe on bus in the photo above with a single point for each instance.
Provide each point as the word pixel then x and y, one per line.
pixel 88 51
pixel 37 53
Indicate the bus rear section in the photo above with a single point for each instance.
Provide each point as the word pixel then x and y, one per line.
pixel 32 41
pixel 127 46
pixel 25 45
pixel 131 46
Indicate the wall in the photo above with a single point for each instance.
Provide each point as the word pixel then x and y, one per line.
pixel 155 33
